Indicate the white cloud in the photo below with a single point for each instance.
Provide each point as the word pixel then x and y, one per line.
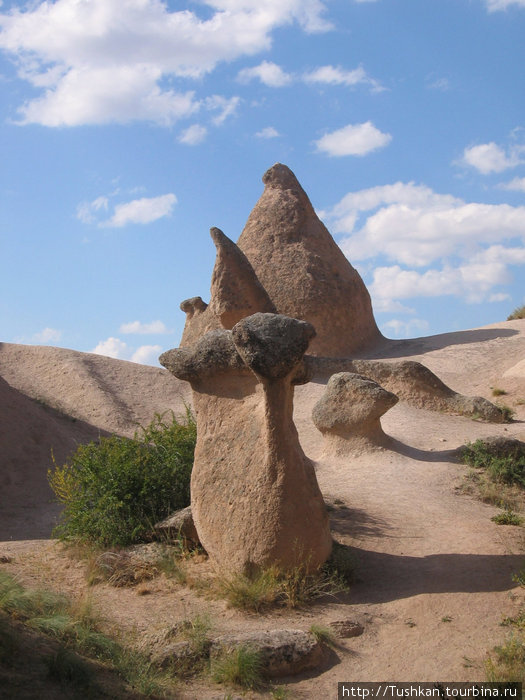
pixel 335 75
pixel 494 5
pixel 269 132
pixel 107 61
pixel 268 73
pixel 415 226
pixel 490 158
pixel 353 140
pixel 141 211
pixel 143 328
pixel 193 135
pixel 146 354
pixel 468 247
pixel 405 329
pixel 518 184
pixel 223 105
pixel 112 347
pixel 47 335
pixel 86 210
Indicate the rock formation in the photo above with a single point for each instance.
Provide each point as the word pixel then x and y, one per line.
pixel 412 382
pixel 349 411
pixel 254 495
pixel 286 261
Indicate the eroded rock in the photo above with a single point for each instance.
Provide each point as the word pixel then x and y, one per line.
pixel 254 494
pixel 349 411
pixel 179 525
pixel 303 270
pixel 283 652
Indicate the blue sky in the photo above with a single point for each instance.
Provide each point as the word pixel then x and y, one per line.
pixel 129 127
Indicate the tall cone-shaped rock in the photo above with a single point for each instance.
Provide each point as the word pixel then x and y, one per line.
pixel 304 272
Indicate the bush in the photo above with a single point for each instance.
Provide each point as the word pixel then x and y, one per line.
pixel 504 463
pixel 114 490
pixel 517 313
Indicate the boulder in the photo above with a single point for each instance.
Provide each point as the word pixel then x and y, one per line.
pixel 349 411
pixel 283 652
pixel 303 270
pixel 179 525
pixel 411 382
pixel 254 494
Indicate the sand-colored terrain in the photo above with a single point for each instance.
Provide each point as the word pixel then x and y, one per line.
pixel 435 574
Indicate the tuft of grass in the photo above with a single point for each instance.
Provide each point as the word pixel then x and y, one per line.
pixel 241 667
pixel 446 618
pixel 323 634
pixel 498 392
pixel 272 587
pixel 114 490
pixel 507 413
pixel 78 632
pixel 517 313
pixel 68 668
pixel 507 664
pixel 507 517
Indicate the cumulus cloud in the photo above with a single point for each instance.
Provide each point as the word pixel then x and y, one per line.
pixel 141 211
pixel 415 226
pixel 47 335
pixel 146 354
pixel 517 184
pixel 224 106
pixel 462 249
pixel 143 328
pixel 107 61
pixel 494 5
pixel 269 132
pixel 111 347
pixel 404 329
pixel 353 140
pixel 268 73
pixel 119 350
pixel 335 75
pixel 490 158
pixel 193 135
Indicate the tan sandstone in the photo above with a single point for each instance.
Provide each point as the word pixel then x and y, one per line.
pixel 254 494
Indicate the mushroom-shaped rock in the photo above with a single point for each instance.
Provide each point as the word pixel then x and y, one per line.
pixel 254 494
pixel 349 411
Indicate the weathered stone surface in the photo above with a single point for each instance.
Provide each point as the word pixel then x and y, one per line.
pixel 235 290
pixel 344 629
pixel 349 411
pixel 272 345
pixel 179 525
pixel 235 293
pixel 410 381
pixel 283 652
pixel 304 272
pixel 254 494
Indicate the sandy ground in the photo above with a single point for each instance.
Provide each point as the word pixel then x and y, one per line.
pixel 435 574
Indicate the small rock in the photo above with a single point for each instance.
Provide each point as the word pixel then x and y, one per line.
pixel 283 652
pixel 180 524
pixel 4 559
pixel 347 628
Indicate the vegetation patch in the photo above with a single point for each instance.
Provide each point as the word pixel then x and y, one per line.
pixel 507 517
pixel 116 489
pixel 517 314
pixel 293 588
pixel 80 643
pixel 241 667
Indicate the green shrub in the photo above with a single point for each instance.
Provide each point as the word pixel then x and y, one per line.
pixel 114 490
pixel 506 466
pixel 517 313
pixel 507 517
pixel 241 667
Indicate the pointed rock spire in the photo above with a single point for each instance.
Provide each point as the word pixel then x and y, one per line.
pixel 302 269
